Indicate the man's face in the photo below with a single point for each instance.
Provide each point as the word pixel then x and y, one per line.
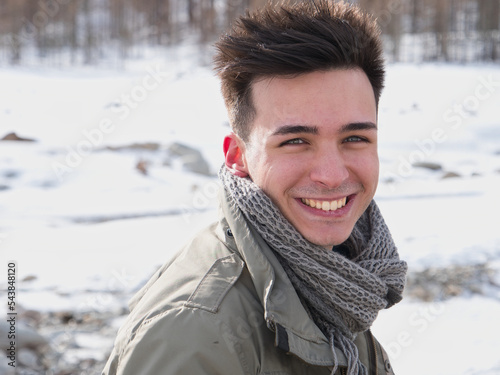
pixel 313 150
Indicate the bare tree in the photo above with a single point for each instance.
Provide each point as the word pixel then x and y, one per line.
pixel 207 20
pixel 11 24
pixel 89 36
pixel 488 26
pixel 389 17
pixel 441 27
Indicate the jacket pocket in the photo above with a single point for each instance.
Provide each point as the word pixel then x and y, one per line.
pixel 214 286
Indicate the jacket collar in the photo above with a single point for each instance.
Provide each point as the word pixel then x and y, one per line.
pixel 284 313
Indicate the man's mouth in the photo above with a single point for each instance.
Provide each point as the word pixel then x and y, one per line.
pixel 325 205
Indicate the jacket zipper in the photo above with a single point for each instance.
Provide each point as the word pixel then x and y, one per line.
pixel 372 349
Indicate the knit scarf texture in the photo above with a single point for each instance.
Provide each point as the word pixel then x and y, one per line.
pixel 343 295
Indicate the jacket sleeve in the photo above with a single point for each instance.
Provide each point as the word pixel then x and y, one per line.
pixel 179 341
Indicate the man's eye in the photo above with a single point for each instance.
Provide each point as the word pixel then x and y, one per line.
pixel 355 138
pixel 295 141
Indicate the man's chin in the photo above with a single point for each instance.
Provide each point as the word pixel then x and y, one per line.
pixel 323 232
pixel 328 242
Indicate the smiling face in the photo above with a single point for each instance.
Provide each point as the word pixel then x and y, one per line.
pixel 313 150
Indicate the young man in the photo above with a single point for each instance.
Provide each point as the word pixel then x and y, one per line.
pixel 294 273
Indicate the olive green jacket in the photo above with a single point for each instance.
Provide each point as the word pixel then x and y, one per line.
pixel 224 305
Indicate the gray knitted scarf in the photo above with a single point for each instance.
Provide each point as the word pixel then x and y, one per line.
pixel 342 294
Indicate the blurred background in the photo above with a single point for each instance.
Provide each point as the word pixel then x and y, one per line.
pixel 111 128
pixel 93 31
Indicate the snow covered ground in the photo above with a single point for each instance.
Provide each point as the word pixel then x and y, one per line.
pixel 87 223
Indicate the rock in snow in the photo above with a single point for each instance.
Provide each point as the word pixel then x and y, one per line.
pixel 191 158
pixel 14 137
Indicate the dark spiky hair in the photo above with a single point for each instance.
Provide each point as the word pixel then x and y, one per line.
pixel 290 39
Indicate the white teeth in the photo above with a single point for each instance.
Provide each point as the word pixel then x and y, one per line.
pixel 334 205
pixel 325 205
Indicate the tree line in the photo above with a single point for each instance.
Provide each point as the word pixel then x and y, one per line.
pixel 89 31
pixel 442 30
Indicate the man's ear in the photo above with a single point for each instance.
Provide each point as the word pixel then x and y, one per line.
pixel 233 152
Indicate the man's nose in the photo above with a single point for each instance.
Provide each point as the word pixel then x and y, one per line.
pixel 329 168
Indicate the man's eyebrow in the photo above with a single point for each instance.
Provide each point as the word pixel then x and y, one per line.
pixel 296 129
pixel 354 126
